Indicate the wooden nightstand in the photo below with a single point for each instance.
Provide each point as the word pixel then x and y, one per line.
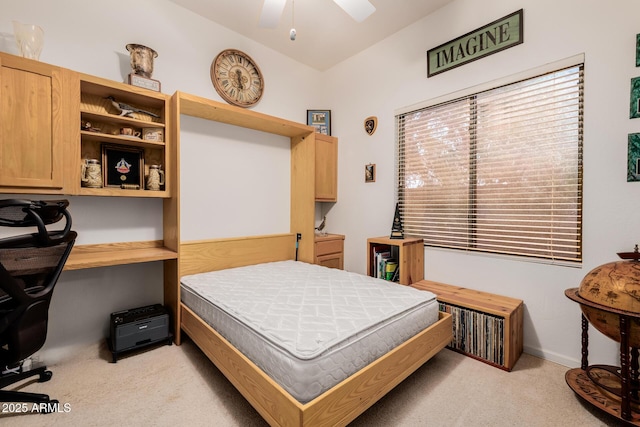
pixel 329 250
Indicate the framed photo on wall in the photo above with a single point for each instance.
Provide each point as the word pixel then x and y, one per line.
pixel 634 109
pixel 633 158
pixel 321 120
pixel 122 166
pixel 370 173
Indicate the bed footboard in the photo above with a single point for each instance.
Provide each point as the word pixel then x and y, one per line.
pixel 337 406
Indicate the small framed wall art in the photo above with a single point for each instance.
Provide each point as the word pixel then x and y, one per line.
pixel 634 107
pixel 637 50
pixel 370 173
pixel 633 158
pixel 321 120
pixel 370 125
pixel 122 166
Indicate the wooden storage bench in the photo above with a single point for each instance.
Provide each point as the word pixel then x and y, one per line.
pixel 487 327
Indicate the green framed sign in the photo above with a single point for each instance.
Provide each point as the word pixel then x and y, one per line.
pixel 492 38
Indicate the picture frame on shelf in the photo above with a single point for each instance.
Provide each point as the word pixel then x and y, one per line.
pixel 370 173
pixel 123 167
pixel 321 120
pixel 155 134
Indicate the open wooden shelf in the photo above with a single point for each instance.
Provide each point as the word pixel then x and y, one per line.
pixel 120 139
pixel 105 130
pixel 119 192
pixel 110 254
pixel 122 120
pixel 124 92
pixel 409 254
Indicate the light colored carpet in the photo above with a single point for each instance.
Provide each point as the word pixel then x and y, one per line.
pixel 179 386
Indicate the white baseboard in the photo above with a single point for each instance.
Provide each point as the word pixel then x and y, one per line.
pixel 553 357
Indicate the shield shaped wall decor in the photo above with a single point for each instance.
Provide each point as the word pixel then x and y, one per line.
pixel 370 124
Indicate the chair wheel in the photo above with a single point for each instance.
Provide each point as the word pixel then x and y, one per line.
pixel 45 376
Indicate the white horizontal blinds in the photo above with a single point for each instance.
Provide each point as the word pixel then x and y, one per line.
pixel 434 173
pixel 499 171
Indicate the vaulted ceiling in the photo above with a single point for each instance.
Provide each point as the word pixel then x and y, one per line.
pixel 326 34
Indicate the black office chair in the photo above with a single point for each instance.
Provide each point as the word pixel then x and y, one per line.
pixel 30 265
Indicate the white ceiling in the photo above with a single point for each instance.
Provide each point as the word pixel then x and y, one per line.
pixel 326 35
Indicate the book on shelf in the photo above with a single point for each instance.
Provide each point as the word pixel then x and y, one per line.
pixel 390 268
pixel 381 262
pixel 384 263
pixel 378 252
pixel 396 275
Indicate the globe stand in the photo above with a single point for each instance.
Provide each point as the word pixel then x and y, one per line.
pixel 609 379
pixel 611 389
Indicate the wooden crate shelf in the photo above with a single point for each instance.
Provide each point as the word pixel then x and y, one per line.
pixel 408 252
pixel 508 311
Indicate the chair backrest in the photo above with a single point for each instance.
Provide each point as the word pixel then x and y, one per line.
pixel 30 265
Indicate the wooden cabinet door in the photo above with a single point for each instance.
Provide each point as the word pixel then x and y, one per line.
pixel 326 168
pixel 331 260
pixel 30 124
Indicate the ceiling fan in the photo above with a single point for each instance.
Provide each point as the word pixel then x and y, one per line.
pixel 359 10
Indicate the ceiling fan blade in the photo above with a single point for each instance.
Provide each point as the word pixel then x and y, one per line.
pixel 359 10
pixel 271 13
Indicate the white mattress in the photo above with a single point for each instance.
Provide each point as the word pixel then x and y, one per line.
pixel 306 326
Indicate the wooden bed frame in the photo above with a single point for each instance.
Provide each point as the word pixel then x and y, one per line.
pixel 337 406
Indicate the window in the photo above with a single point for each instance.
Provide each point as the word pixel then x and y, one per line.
pixel 499 170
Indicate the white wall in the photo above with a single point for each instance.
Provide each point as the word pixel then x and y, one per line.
pixel 392 75
pixel 90 37
pixel 233 182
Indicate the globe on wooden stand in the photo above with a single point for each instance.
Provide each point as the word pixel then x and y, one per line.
pixel 609 297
